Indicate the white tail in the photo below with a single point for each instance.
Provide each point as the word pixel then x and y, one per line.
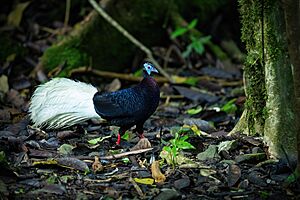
pixel 61 103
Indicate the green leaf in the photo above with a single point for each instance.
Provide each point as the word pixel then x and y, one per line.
pixel 198 43
pixel 97 140
pixel 188 51
pixel 191 81
pixel 173 142
pixel 230 106
pixel 145 181
pixel 179 32
pixel 198 47
pixel 51 179
pixel 65 149
pixel 2 157
pixel 167 148
pixel 183 138
pixel 194 111
pixel 174 151
pixel 205 39
pixel 185 145
pixel 126 160
pixel 186 130
pixel 125 136
pixel 192 24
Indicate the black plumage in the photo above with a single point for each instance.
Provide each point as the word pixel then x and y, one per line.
pixel 128 107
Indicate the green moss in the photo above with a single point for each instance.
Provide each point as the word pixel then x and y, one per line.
pixel 254 65
pixel 275 40
pixel 60 54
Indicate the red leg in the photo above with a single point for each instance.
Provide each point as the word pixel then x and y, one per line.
pixel 141 135
pixel 139 129
pixel 119 139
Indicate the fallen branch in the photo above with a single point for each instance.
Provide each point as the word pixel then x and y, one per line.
pixel 116 156
pixel 130 77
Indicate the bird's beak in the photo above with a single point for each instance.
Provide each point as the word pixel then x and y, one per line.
pixel 154 70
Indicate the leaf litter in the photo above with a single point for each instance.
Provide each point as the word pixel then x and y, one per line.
pixel 188 154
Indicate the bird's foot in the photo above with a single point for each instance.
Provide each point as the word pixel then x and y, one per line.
pixel 144 143
pixel 141 135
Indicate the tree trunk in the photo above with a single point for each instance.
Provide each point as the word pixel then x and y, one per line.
pixel 292 19
pixel 269 80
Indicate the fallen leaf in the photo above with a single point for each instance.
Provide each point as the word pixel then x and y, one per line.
pixel 65 149
pixel 15 16
pixel 194 111
pixel 210 153
pixel 201 124
pixel 53 189
pixel 196 95
pixel 98 140
pixel 156 173
pixel 254 157
pixel 145 181
pixel 143 143
pixel 234 174
pixel 97 166
pixel 4 84
pixel 227 145
pixel 207 172
pixel 73 163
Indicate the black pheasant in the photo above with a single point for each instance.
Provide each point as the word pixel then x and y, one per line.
pixel 62 102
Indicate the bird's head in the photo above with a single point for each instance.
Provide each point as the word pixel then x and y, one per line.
pixel 149 68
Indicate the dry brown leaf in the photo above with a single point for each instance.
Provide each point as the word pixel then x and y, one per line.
pixel 144 143
pixel 97 166
pixel 156 173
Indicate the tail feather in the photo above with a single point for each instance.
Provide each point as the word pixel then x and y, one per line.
pixel 61 103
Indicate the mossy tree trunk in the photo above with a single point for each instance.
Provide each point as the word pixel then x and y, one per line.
pixel 292 19
pixel 268 77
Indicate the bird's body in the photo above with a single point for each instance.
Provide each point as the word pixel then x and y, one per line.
pixel 129 107
pixel 62 102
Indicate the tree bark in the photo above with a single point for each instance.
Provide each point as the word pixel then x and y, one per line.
pixel 292 20
pixel 269 80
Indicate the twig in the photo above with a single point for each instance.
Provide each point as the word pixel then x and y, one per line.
pixel 168 55
pixel 130 38
pixel 116 156
pixel 107 74
pixel 120 155
pixel 67 14
pixel 130 77
pixel 136 187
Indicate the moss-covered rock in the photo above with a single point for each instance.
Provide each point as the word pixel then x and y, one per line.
pixel 103 46
pixel 68 54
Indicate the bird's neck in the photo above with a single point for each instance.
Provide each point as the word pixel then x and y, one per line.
pixel 145 74
pixel 149 83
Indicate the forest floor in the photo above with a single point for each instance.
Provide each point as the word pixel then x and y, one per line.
pixel 192 154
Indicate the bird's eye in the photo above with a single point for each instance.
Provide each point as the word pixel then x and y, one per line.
pixel 148 67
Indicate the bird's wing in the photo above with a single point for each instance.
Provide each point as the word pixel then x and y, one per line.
pixel 120 104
